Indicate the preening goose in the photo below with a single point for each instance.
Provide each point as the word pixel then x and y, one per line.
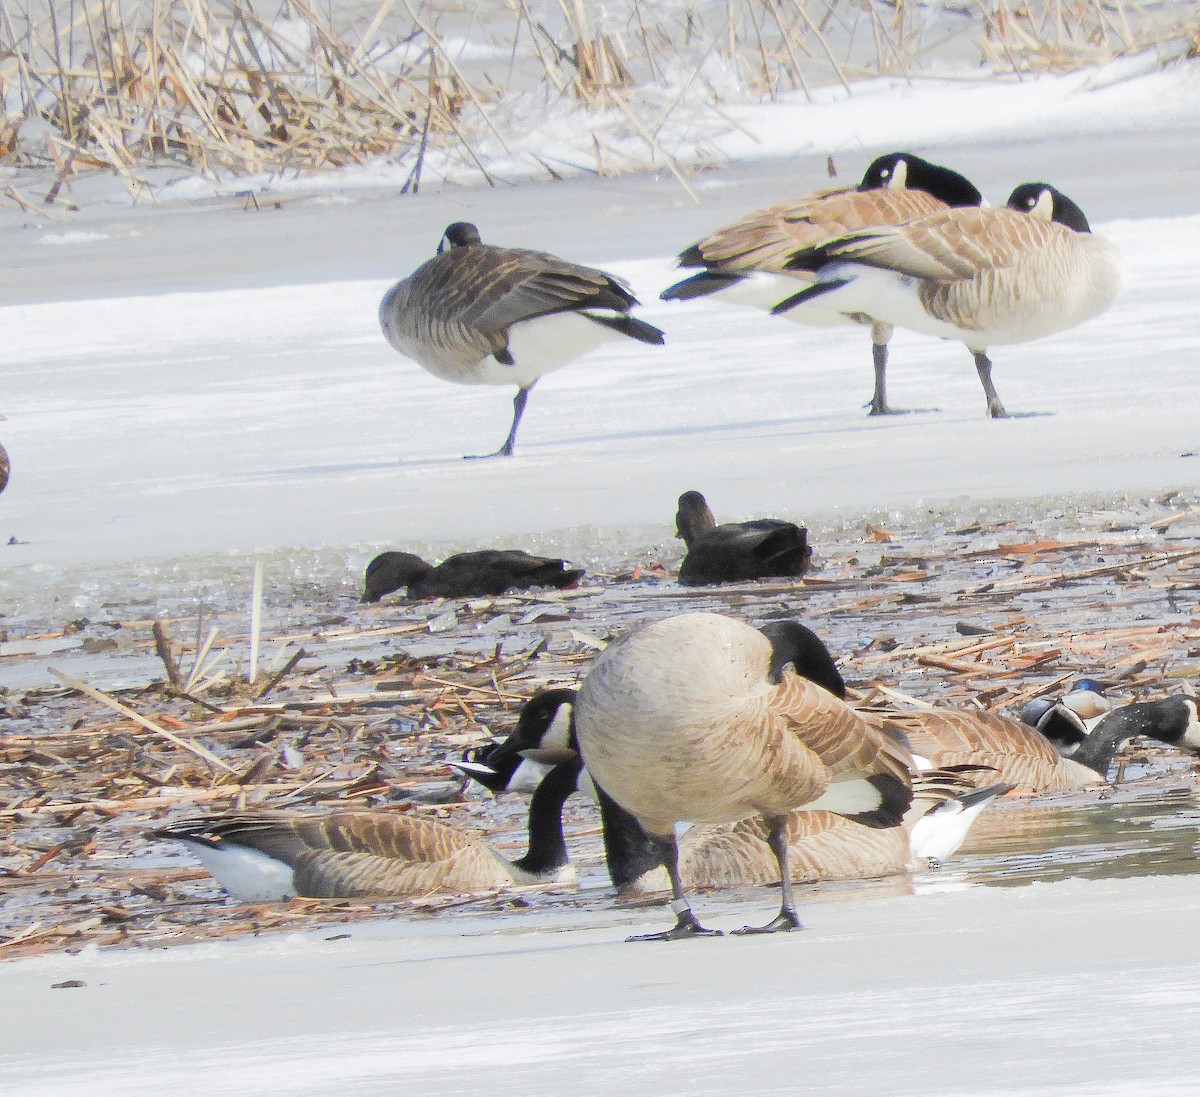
pixel 477 314
pixel 702 718
pixel 466 575
pixel 269 855
pixel 821 845
pixel 1022 755
pixel 982 276
pixel 734 551
pixel 747 262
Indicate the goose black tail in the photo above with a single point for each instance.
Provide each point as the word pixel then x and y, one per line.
pixel 699 285
pixel 634 328
pixel 895 797
pixel 817 289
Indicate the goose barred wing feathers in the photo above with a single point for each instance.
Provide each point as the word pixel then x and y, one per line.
pixel 488 289
pixel 767 239
pixel 348 854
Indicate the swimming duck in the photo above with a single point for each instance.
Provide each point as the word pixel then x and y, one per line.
pixel 747 262
pixel 733 551
pixel 477 314
pixel 685 719
pixel 982 276
pixel 465 575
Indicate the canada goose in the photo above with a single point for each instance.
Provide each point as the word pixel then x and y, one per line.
pixel 262 856
pixel 733 551
pixel 821 845
pixel 747 262
pixel 4 467
pixel 703 718
pixel 477 314
pixel 982 276
pixel 466 575
pixel 544 724
pixel 1024 756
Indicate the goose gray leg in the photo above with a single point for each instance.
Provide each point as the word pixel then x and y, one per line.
pixel 880 334
pixel 506 450
pixel 787 918
pixel 983 366
pixel 685 921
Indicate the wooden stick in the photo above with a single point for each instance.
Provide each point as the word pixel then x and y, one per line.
pixel 137 718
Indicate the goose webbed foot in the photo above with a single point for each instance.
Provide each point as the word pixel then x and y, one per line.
pixel 685 926
pixel 783 922
pixel 505 450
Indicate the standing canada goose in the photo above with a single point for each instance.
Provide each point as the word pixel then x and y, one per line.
pixel 477 314
pixel 747 262
pixel 466 575
pixel 821 845
pixel 982 276
pixel 702 718
pixel 1024 756
pixel 263 856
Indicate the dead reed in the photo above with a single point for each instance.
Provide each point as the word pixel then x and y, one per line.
pixel 239 87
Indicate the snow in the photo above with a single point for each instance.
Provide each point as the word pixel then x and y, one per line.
pixel 190 384
pixel 981 992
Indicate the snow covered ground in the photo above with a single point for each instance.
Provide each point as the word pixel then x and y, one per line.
pixel 194 381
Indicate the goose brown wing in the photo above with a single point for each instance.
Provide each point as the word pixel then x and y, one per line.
pixel 932 733
pixel 846 744
pixel 821 846
pixel 765 240
pixel 331 875
pixel 489 289
pixel 951 245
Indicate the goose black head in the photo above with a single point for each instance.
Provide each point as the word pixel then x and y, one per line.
pixel 390 571
pixel 544 736
pixel 1050 204
pixel 460 234
pixel 905 170
pixel 693 517
pixel 792 643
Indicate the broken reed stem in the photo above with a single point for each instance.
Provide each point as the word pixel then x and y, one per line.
pixel 256 598
pixel 162 645
pixel 96 695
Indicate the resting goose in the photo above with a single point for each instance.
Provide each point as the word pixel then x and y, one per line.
pixel 466 575
pixel 733 551
pixel 1022 755
pixel 821 845
pixel 477 314
pixel 262 856
pixel 747 262
pixel 982 276
pixel 702 718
